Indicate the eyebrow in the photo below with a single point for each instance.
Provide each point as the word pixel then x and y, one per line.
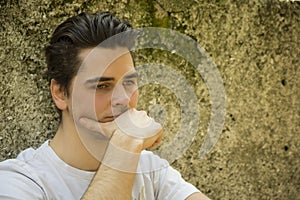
pixel 133 75
pixel 99 79
pixel 103 78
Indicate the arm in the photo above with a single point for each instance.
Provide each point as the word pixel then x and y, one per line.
pixel 17 183
pixel 171 185
pixel 115 176
pixel 111 183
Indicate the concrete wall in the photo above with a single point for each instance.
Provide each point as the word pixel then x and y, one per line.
pixel 255 46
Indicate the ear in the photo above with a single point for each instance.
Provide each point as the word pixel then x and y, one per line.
pixel 58 95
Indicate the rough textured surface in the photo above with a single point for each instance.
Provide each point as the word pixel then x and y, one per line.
pixel 255 45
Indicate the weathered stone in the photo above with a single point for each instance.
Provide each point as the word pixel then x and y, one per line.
pixel 255 46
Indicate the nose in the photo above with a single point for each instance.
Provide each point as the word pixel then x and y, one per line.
pixel 120 96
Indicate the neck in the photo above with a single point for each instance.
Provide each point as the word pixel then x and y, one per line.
pixel 68 146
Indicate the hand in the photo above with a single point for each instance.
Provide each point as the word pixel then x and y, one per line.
pixel 128 134
pixel 131 125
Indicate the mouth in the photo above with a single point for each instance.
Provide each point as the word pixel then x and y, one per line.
pixel 113 116
pixel 110 118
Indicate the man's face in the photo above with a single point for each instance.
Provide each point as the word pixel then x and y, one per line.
pixel 105 85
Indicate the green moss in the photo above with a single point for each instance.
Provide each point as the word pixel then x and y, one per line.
pixel 163 23
pixel 159 17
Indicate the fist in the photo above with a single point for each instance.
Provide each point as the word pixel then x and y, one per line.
pixel 131 125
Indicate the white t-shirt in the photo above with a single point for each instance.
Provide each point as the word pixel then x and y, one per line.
pixel 41 174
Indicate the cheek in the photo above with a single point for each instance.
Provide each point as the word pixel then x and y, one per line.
pixel 81 103
pixel 101 103
pixel 134 99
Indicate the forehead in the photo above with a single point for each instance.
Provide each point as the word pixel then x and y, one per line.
pixel 101 62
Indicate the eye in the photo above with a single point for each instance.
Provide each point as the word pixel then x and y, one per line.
pixel 129 82
pixel 102 86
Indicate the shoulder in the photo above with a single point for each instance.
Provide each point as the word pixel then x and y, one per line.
pixel 16 181
pixel 149 162
pixel 169 183
pixel 19 177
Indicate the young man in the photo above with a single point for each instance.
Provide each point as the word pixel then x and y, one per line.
pixel 99 149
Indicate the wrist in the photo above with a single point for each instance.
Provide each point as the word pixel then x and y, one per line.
pixel 126 143
pixel 120 159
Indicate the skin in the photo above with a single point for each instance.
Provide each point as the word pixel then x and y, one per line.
pixel 101 102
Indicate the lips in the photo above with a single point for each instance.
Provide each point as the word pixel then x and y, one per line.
pixel 111 117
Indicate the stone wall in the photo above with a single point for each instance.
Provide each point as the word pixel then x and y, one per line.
pixel 255 46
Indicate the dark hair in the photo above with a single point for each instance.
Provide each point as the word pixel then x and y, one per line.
pixel 74 34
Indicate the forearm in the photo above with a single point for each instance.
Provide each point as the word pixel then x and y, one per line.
pixel 115 176
pixel 109 183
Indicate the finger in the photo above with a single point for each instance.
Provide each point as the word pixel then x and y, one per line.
pixel 154 145
pixel 93 125
pixel 108 128
pixel 153 142
pixel 137 124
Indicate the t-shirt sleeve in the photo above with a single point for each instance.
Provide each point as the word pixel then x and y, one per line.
pixel 15 183
pixel 173 186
